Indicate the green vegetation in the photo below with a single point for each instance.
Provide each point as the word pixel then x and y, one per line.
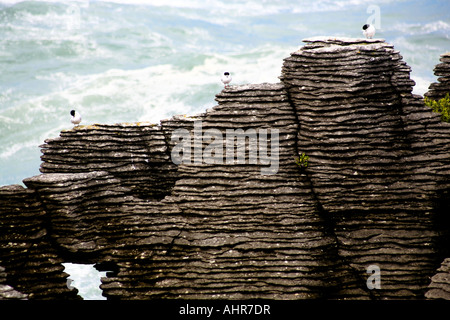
pixel 441 106
pixel 302 160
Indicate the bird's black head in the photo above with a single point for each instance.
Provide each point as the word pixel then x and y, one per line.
pixel 72 113
pixel 226 74
pixel 365 26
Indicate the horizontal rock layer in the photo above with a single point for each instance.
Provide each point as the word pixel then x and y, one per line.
pixel 369 141
pixel 30 264
pixel 215 206
pixel 438 90
pixel 440 282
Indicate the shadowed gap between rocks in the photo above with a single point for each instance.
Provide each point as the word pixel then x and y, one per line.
pixel 327 219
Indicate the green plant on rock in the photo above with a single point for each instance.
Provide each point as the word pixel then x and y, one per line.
pixel 302 160
pixel 441 106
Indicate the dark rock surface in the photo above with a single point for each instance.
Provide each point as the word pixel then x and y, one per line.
pixel 440 283
pixel 7 292
pixel 439 89
pixel 379 159
pixel 135 153
pixel 375 192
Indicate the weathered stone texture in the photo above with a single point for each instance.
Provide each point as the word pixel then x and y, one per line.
pixel 374 191
pixel 378 157
pixel 137 154
pixel 438 90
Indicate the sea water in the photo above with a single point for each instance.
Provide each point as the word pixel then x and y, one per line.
pixel 126 61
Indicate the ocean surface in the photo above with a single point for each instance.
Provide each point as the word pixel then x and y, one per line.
pixel 126 61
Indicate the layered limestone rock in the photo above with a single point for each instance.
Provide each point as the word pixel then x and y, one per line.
pixel 241 234
pixel 6 291
pixel 30 264
pixel 134 153
pixel 439 89
pixel 378 158
pixel 215 205
pixel 440 282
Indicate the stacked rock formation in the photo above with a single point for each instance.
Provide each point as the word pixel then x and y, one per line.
pixel 134 153
pixel 6 291
pixel 369 140
pixel 438 90
pixel 241 234
pixel 440 283
pixel 176 211
pixel 29 263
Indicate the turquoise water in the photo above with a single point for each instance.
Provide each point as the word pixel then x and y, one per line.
pixel 126 61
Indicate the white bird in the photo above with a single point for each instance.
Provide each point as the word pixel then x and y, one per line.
pixel 226 78
pixel 368 31
pixel 76 117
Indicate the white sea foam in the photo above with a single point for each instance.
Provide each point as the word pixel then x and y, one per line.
pixel 254 7
pixel 420 29
pixel 13 148
pixel 150 93
pixel 79 2
pixel 7 120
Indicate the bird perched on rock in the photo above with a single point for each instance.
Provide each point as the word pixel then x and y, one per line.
pixel 76 117
pixel 368 31
pixel 226 78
